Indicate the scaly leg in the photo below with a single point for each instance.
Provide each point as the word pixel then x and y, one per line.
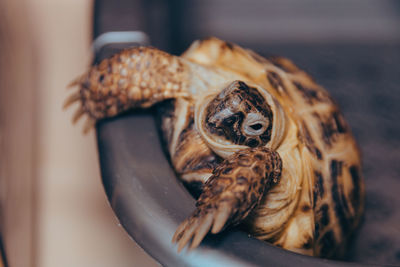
pixel 230 194
pixel 134 78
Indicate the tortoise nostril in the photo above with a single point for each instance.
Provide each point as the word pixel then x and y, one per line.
pixel 256 126
pixel 229 121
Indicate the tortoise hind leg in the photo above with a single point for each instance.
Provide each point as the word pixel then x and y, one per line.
pixel 230 194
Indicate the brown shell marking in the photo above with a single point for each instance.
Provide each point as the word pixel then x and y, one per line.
pixel 277 83
pixel 312 95
pixel 230 194
pixel 284 64
pixel 331 126
pixel 309 141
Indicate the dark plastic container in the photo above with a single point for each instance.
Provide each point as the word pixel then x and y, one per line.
pixel 150 202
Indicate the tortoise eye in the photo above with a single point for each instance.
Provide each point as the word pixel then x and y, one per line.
pixel 256 126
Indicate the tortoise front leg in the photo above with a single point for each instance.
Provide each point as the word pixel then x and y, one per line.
pixel 230 194
pixel 134 78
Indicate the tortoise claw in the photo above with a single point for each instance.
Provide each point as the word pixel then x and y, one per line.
pixel 201 222
pixel 221 218
pixel 187 234
pixel 202 230
pixel 78 80
pixel 89 124
pixel 71 99
pixel 77 115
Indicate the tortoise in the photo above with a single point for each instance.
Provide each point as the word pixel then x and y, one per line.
pixel 256 140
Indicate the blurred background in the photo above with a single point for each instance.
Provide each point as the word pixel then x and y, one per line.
pixel 53 210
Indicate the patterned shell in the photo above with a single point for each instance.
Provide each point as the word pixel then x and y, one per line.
pixel 255 139
pixel 319 200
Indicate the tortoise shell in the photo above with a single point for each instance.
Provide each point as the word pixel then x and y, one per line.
pixel 255 139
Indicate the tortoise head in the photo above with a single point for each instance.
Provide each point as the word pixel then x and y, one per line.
pixel 240 116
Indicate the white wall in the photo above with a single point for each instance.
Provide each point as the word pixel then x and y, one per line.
pixel 67 220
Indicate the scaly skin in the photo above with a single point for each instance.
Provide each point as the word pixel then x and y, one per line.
pixel 230 194
pixel 134 78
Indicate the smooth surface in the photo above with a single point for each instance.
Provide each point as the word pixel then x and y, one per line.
pixel 75 225
pixel 17 84
pixel 150 202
